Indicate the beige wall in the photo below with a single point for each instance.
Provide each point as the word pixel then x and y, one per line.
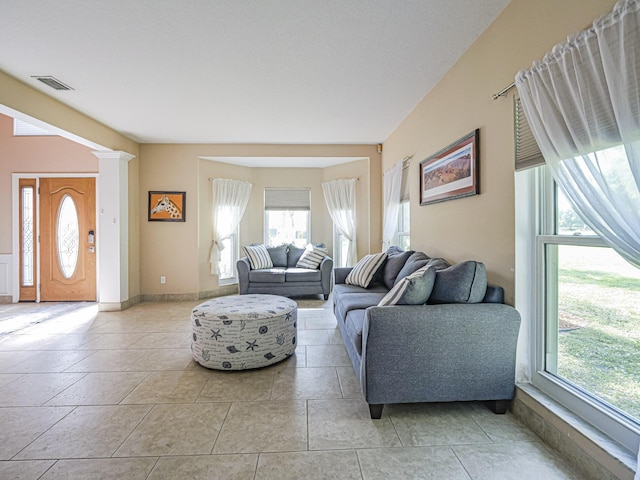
pixel 180 251
pixel 169 248
pixel 134 227
pixel 34 155
pixel 482 227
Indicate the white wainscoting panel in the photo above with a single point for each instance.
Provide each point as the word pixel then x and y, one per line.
pixel 6 268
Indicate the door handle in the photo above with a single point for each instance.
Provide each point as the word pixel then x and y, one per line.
pixel 92 236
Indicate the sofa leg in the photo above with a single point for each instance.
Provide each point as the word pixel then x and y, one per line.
pixel 499 406
pixel 326 297
pixel 375 409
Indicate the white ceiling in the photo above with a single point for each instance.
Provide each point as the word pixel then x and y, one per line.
pixel 242 71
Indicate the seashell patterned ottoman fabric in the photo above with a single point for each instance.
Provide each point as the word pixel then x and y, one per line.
pixel 243 331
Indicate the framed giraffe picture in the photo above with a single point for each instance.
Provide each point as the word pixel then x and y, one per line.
pixel 167 206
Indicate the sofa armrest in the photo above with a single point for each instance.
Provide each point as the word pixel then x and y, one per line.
pixel 340 274
pixel 443 352
pixel 243 267
pixel 326 266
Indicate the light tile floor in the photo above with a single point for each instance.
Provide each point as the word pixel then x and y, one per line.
pixel 88 395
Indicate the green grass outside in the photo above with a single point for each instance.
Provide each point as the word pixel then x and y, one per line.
pixel 600 349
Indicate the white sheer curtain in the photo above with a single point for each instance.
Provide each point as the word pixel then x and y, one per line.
pixel 340 196
pixel 583 104
pixel 392 183
pixel 230 198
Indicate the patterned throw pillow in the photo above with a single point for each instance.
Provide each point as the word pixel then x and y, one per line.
pixel 365 270
pixel 258 256
pixel 312 257
pixel 413 289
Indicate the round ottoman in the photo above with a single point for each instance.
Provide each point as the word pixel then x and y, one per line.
pixel 243 331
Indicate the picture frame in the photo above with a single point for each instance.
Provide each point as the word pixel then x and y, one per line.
pixel 167 206
pixel 453 172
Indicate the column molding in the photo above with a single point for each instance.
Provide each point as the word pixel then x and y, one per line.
pixel 113 228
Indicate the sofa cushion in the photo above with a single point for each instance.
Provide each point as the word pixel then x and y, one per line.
pixel 302 275
pixel 342 289
pixel 465 282
pixel 358 301
pixel 365 270
pixel 278 255
pixel 413 289
pixel 312 257
pixel 294 255
pixel 395 262
pixel 258 256
pixel 267 275
pixel 353 328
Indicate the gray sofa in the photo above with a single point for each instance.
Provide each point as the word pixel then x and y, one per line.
pixel 439 351
pixel 284 278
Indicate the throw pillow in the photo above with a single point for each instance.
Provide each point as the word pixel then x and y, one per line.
pixel 413 289
pixel 419 260
pixel 278 255
pixel 415 261
pixel 395 262
pixel 294 255
pixel 365 270
pixel 258 256
pixel 312 257
pixel 465 282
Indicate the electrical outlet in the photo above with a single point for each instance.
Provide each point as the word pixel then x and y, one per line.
pixel 163 279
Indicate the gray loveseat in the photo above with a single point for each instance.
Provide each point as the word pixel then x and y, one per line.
pixel 458 346
pixel 285 278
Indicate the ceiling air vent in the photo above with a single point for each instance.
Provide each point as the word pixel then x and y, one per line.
pixel 53 83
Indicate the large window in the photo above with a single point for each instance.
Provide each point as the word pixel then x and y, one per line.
pixel 588 318
pixel 287 216
pixel 228 259
pixel 340 248
pixel 404 227
pixel 404 218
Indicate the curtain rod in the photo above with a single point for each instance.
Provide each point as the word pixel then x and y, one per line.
pixel 503 91
pixel 211 179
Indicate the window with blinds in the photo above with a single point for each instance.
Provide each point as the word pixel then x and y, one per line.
pixel 528 153
pixel 287 199
pixel 287 216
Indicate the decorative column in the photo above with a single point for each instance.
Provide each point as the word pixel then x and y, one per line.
pixel 112 239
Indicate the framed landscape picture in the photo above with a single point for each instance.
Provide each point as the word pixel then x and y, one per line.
pixel 453 172
pixel 167 206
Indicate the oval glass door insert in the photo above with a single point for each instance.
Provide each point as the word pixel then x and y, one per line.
pixel 68 237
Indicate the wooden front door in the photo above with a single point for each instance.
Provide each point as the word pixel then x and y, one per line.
pixel 67 239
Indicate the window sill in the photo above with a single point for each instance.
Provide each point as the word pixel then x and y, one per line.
pixel 587 449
